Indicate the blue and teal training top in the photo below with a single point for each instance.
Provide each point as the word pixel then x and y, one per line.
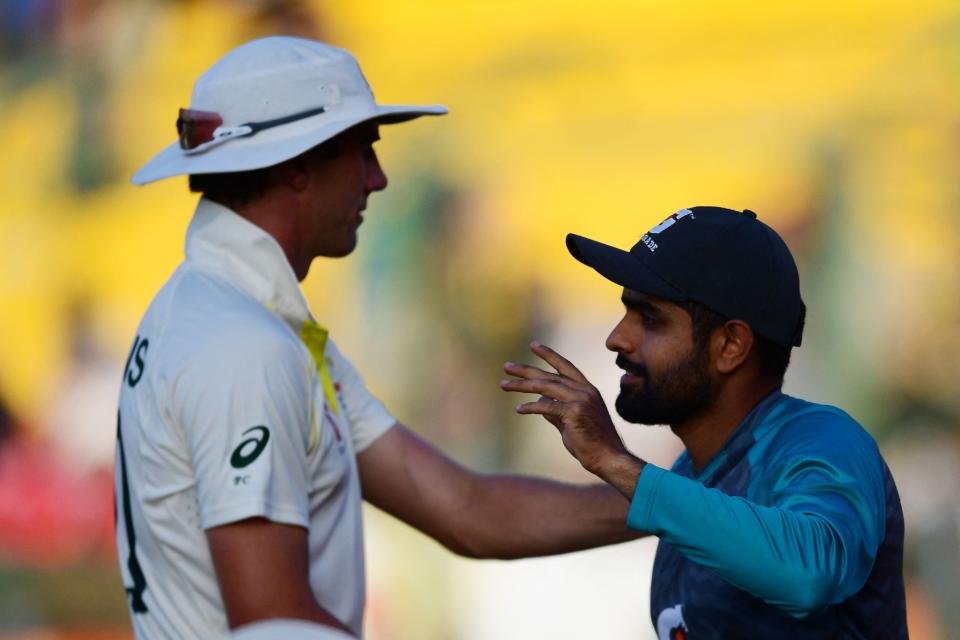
pixel 793 530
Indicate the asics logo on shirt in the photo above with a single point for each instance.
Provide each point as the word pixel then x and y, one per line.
pixel 251 448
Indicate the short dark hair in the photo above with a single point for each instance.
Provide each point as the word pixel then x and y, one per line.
pixel 243 187
pixel 238 187
pixel 774 358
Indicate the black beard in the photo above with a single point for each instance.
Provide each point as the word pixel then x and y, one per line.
pixel 678 394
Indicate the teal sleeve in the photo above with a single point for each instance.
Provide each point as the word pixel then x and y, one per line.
pixel 813 547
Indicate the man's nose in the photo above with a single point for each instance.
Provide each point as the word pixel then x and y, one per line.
pixel 376 178
pixel 617 340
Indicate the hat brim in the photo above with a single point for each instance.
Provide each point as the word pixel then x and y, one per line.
pixel 270 147
pixel 621 267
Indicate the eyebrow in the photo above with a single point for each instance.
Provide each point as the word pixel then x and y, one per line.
pixel 638 303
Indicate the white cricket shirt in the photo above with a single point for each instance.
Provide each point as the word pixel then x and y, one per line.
pixel 226 415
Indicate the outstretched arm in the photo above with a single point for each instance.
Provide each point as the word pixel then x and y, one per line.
pixel 487 515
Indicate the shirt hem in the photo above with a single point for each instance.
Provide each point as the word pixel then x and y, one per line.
pixel 275 513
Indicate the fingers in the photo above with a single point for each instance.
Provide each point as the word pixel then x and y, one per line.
pixel 550 387
pixel 544 406
pixel 563 366
pixel 555 389
pixel 528 371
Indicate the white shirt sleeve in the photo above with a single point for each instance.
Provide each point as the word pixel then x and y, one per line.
pixel 285 629
pixel 368 418
pixel 243 402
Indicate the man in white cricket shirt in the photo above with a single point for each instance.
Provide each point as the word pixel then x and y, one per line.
pixel 245 439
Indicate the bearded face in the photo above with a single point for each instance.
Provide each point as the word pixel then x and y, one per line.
pixel 668 395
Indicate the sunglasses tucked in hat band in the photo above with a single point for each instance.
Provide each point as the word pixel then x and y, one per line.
pixel 200 130
pixel 272 99
pixel 725 260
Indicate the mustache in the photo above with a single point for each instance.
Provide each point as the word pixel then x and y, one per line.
pixel 632 368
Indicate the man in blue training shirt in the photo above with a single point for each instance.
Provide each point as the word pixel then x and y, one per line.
pixel 781 519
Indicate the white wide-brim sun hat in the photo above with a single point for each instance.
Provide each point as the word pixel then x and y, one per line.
pixel 276 78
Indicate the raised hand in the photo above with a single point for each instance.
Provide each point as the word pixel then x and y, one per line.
pixel 570 403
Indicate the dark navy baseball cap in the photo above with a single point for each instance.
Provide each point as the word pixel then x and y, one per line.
pixel 728 261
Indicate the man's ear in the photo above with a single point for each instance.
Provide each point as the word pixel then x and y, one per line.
pixel 731 344
pixel 293 173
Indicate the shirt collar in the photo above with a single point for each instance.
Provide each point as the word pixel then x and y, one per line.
pixel 736 446
pixel 221 240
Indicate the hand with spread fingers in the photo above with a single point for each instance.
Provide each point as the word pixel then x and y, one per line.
pixel 574 406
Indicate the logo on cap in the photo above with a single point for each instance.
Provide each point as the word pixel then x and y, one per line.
pixel 666 224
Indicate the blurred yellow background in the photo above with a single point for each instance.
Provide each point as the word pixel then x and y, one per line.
pixel 838 123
